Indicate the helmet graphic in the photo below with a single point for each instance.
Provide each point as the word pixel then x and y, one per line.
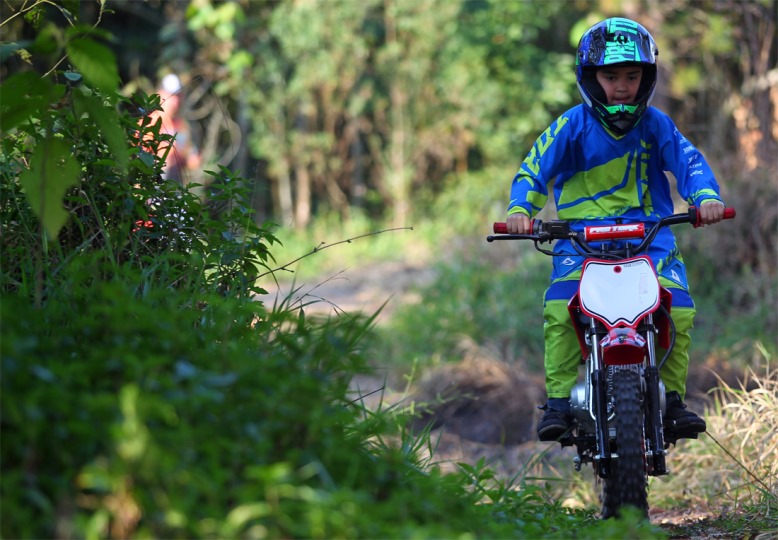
pixel 616 42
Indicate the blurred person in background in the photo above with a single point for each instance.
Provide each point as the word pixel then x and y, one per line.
pixel 184 157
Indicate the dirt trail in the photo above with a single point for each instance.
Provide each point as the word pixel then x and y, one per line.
pixel 366 289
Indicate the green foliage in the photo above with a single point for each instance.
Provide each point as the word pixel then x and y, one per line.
pixel 467 200
pixel 528 59
pixel 731 268
pixel 46 117
pixel 106 390
pixel 701 29
pixel 144 415
pixel 94 61
pixel 68 165
pixel 382 110
pixel 52 171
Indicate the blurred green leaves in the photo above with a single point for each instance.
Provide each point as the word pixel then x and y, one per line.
pixel 52 171
pixel 24 97
pixel 95 62
pixel 33 105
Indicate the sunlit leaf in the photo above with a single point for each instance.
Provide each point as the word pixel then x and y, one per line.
pixel 243 514
pixel 9 49
pixel 53 169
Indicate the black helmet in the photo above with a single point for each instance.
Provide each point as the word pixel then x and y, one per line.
pixel 616 42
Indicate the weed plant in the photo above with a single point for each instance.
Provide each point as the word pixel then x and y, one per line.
pixel 366 242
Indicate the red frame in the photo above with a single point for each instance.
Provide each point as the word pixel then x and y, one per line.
pixel 660 320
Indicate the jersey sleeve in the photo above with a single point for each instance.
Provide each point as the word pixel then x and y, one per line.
pixel 695 180
pixel 529 190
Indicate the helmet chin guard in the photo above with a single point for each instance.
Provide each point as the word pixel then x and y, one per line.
pixel 616 42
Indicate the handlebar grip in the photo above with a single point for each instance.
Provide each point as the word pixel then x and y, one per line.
pixel 694 215
pixel 500 227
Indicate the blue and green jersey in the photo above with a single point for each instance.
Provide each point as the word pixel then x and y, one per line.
pixel 599 178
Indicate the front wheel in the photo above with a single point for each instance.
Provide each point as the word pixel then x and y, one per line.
pixel 627 483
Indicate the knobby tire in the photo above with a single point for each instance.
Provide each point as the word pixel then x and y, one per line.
pixel 627 483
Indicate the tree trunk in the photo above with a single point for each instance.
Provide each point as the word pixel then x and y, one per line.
pixel 302 208
pixel 396 174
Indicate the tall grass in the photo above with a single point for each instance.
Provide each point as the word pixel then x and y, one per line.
pixel 735 462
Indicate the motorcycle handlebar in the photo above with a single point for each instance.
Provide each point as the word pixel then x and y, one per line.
pixel 560 230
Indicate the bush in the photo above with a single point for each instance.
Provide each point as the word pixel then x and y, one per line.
pixel 114 400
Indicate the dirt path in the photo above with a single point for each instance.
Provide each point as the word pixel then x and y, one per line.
pixel 366 289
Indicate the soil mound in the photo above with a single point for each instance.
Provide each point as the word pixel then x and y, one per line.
pixel 481 399
pixel 489 401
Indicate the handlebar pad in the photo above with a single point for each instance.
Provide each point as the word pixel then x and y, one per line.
pixel 615 232
pixel 500 227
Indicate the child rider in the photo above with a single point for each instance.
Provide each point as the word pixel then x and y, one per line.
pixel 605 159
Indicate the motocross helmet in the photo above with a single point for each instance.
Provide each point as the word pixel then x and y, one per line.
pixel 616 42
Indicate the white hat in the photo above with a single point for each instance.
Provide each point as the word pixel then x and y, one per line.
pixel 171 83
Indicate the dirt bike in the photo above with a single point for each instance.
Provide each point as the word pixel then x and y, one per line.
pixel 620 314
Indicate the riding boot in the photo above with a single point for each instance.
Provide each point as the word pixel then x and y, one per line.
pixel 556 420
pixel 682 422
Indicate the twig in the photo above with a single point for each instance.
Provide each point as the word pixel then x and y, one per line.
pixel 363 396
pixel 322 246
pixel 736 460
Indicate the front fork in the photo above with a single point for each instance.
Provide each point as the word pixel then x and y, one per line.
pixel 653 409
pixel 654 427
pixel 602 460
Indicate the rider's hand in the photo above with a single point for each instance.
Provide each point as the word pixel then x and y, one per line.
pixel 711 212
pixel 519 224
